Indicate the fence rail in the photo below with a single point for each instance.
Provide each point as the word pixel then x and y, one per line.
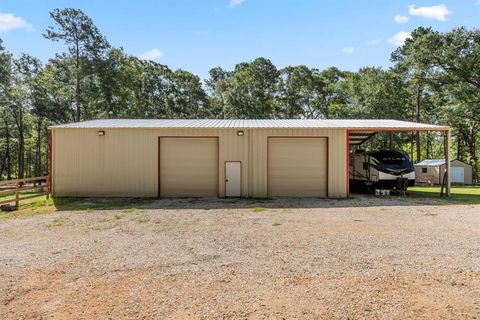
pixel 16 186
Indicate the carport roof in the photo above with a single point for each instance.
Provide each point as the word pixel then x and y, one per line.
pixel 364 125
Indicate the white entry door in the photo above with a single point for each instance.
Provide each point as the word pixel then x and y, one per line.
pixel 233 179
pixel 457 175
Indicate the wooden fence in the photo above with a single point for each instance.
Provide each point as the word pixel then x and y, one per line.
pixel 17 186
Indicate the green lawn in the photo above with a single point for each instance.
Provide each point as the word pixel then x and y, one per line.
pixel 11 196
pixel 467 195
pixel 40 205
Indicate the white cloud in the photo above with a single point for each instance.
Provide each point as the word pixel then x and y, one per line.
pixel 439 12
pixel 153 54
pixel 373 42
pixel 348 50
pixel 234 3
pixel 399 38
pixel 401 19
pixel 9 22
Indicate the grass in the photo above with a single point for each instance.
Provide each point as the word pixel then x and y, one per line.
pixel 11 196
pixel 57 222
pixel 143 219
pixel 119 216
pixel 464 195
pixel 40 205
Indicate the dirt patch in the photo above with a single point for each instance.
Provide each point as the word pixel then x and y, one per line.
pixel 295 259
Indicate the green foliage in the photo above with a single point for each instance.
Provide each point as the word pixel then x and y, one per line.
pixel 463 195
pixel 252 89
pixel 434 78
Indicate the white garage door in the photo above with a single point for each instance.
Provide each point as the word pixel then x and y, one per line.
pixel 457 174
pixel 188 167
pixel 297 167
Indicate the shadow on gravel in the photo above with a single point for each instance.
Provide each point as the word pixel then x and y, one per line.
pixel 356 200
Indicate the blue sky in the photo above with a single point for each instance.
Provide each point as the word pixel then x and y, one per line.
pixel 197 35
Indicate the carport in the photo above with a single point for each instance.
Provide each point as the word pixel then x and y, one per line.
pixel 358 136
pixel 213 157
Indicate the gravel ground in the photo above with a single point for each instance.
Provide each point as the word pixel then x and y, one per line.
pixel 218 259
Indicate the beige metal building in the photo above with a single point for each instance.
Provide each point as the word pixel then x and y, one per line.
pixel 432 171
pixel 224 158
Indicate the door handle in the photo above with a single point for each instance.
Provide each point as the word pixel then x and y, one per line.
pixel 226 180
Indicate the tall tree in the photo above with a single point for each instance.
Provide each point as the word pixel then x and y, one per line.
pixel 296 90
pixel 190 100
pixel 217 85
pixel 414 62
pixel 5 88
pixel 26 69
pixel 252 90
pixel 84 41
pixel 457 55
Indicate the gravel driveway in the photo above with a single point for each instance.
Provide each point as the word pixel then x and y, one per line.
pixel 216 259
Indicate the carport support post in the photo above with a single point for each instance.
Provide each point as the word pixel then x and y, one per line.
pixel 447 162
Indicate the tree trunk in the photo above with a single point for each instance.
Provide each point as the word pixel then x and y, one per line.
pixel 473 151
pixel 429 146
pixel 38 149
pixel 77 83
pixel 7 150
pixel 459 149
pixel 21 146
pixel 2 167
pixel 412 143
pixel 417 119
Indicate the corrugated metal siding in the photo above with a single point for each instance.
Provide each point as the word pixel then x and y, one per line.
pixel 189 166
pixel 239 124
pixel 336 158
pixel 125 161
pixel 297 166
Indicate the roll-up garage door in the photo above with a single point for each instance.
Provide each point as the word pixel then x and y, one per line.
pixel 297 167
pixel 188 167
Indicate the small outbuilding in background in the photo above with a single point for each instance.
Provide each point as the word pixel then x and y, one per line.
pixel 432 171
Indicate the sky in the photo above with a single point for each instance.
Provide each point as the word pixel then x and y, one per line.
pixel 197 35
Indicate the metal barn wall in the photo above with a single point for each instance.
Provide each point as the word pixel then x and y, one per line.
pixel 337 152
pixel 124 162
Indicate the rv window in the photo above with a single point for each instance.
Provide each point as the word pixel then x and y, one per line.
pixel 424 170
pixel 365 165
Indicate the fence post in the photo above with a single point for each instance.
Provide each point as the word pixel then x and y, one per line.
pixel 47 186
pixel 17 194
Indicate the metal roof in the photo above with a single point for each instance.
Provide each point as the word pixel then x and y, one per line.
pixel 434 163
pixel 357 138
pixel 371 125
pixel 431 163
